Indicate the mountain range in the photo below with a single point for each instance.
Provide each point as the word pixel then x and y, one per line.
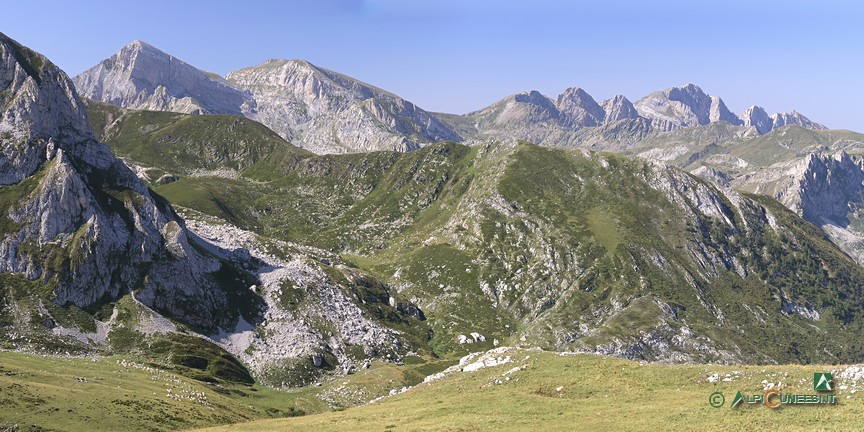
pixel 327 112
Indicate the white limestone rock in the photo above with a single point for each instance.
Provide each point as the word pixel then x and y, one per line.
pixel 140 76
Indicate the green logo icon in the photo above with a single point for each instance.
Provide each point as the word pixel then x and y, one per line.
pixel 716 399
pixel 738 399
pixel 822 381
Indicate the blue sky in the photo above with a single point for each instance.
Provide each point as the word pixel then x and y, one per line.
pixel 457 56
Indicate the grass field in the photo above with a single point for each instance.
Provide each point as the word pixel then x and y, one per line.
pixel 554 392
pixel 530 390
pixel 115 393
pixel 39 393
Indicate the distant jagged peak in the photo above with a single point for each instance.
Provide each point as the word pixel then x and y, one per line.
pixel 684 106
pixel 618 108
pixel 280 72
pixel 795 118
pixel 684 91
pixel 328 112
pixel 129 57
pixel 531 97
pixel 757 117
pixel 139 44
pixel 579 109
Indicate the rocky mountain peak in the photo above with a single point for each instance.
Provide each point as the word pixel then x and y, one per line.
pixel 42 111
pixel 141 76
pixel 682 107
pixel 795 118
pixel 618 108
pixel 579 109
pixel 533 97
pixel 327 112
pixel 756 116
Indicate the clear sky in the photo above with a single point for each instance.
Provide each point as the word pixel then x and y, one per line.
pixel 461 55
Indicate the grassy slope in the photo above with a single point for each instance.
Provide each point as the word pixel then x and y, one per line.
pixel 597 393
pixel 126 393
pixel 182 143
pixel 119 394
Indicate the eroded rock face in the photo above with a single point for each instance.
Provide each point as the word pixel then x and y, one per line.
pixel 79 219
pixel 580 108
pixel 825 189
pixel 756 116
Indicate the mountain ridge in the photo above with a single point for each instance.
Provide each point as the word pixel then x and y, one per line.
pixel 329 112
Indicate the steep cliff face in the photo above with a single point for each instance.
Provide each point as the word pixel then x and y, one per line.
pixel 825 189
pixel 140 76
pixel 77 219
pixel 326 112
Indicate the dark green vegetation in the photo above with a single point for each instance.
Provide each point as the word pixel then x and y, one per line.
pixel 562 249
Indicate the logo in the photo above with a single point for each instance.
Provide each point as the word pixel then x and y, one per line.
pixel 738 399
pixel 822 381
pixel 717 399
pixel 773 398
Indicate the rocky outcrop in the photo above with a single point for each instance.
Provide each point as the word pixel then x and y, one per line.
pixel 755 116
pixel 77 219
pixel 825 189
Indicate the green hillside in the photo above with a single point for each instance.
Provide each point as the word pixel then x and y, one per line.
pixel 559 249
pixel 183 144
pixel 547 391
